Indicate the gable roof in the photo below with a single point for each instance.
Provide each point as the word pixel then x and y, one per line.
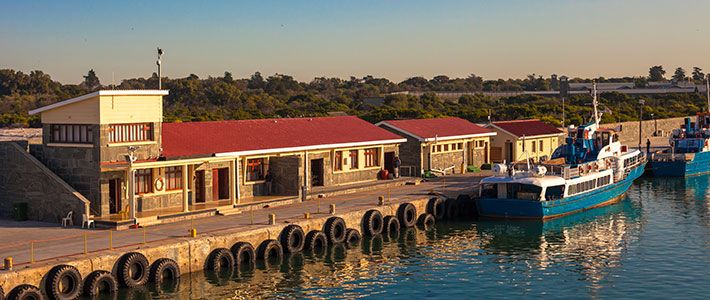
pixel 100 93
pixel 442 128
pixel 246 137
pixel 527 128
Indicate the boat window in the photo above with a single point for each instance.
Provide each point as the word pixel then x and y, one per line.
pixel 580 133
pixel 554 192
pixel 615 138
pixel 489 191
pixel 524 191
pixel 605 139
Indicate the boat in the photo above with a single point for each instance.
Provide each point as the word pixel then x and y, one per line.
pixel 591 169
pixel 689 152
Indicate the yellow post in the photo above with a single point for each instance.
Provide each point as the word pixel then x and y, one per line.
pixel 318 208
pixel 110 239
pixel 306 216
pixel 32 252
pixel 85 248
pixel 143 235
pixel 251 213
pixel 8 263
pixel 388 194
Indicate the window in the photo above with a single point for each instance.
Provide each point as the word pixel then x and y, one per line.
pixel 144 181
pixel 173 178
pixel 71 134
pixel 255 169
pixel 446 147
pixel 438 148
pixel 460 146
pixel 541 150
pixel 353 159
pixel 372 157
pixel 137 132
pixel 338 161
pixel 533 146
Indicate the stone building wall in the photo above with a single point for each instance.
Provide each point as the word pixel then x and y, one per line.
pixel 286 172
pixel 23 178
pixel 630 130
pixel 120 153
pixel 442 161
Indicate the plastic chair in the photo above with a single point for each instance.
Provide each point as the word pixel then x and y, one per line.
pixel 86 220
pixel 68 219
pixel 123 214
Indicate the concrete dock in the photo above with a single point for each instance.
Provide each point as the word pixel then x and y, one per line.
pixel 172 241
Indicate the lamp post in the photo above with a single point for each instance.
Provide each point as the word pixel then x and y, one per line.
pixel 159 63
pixel 655 125
pixel 641 102
pixel 131 160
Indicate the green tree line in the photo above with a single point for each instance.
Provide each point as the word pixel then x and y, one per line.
pixel 281 96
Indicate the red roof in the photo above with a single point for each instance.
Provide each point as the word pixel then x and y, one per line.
pixel 527 128
pixel 442 127
pixel 206 138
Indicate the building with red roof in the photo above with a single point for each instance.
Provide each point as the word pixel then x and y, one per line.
pixel 115 150
pixel 442 145
pixel 523 139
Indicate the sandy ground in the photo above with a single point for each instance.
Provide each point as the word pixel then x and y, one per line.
pixel 13 134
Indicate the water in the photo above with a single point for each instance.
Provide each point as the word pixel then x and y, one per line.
pixel 653 244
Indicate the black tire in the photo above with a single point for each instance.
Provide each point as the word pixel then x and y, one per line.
pixel 25 292
pixel 63 283
pixel 2 294
pixel 391 225
pixel 244 254
pixel 435 207
pixel 407 214
pixel 451 208
pixel 335 230
pixel 292 239
pixel 99 282
pixel 353 237
pixel 270 249
pixel 316 241
pixel 372 222
pixel 219 259
pixel 132 270
pixel 164 269
pixel 466 205
pixel 426 220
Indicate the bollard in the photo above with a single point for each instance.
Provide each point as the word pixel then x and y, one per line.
pixel 272 219
pixel 381 200
pixel 8 263
pixel 318 208
pixel 193 232
pixel 306 216
pixel 463 168
pixel 388 195
pixel 331 209
pixel 431 192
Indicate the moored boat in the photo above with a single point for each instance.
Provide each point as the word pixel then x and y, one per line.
pixel 592 169
pixel 689 151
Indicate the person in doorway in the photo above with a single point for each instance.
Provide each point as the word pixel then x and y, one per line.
pixel 397 163
pixel 268 180
pixel 648 145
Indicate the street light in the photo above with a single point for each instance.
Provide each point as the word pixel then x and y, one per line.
pixel 655 125
pixel 641 102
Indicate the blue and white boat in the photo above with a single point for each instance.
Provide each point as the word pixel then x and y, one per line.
pixel 592 169
pixel 689 152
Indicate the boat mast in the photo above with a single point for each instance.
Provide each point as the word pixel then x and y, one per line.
pixel 594 102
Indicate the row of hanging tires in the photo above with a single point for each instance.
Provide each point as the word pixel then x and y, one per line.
pixel 64 282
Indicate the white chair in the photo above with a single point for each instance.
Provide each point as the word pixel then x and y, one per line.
pixel 68 219
pixel 86 220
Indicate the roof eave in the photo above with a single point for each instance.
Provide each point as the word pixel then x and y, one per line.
pixel 311 147
pixel 100 93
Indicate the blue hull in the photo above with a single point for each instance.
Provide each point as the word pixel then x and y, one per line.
pixel 698 166
pixel 528 209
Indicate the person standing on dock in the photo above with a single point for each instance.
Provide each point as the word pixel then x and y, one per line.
pixel 268 180
pixel 648 146
pixel 397 163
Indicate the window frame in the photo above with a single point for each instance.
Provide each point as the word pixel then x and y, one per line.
pixel 80 134
pixel 173 178
pixel 130 133
pixel 354 159
pixel 255 164
pixel 338 160
pixel 372 157
pixel 143 181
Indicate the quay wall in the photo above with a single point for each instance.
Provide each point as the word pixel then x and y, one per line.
pixel 630 131
pixel 191 253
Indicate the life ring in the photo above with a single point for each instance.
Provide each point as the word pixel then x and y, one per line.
pixel 581 170
pixel 159 184
pixel 596 166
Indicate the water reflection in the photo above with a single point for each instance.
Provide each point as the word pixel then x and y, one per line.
pixel 606 252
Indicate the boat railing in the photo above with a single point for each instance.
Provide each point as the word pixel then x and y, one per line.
pixel 565 171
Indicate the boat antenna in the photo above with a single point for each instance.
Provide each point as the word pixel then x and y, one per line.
pixel 707 89
pixel 594 102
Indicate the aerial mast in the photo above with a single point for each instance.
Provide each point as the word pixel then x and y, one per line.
pixel 160 54
pixel 594 102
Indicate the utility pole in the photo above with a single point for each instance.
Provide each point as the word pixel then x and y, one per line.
pixel 707 90
pixel 641 102
pixel 160 54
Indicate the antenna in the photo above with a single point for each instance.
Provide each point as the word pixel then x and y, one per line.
pixel 707 89
pixel 160 54
pixel 594 102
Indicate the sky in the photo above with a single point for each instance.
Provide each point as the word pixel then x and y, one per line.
pixel 395 39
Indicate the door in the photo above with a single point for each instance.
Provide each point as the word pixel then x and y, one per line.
pixel 114 195
pixel 485 152
pixel 509 151
pixel 317 172
pixel 389 162
pixel 220 183
pixel 199 186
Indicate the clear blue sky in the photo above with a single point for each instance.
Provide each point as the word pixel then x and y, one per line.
pixel 392 39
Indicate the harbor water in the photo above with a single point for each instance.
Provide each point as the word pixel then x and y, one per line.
pixel 653 244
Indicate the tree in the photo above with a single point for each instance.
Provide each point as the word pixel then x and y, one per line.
pixel 656 73
pixel 698 74
pixel 91 81
pixel 228 77
pixel 679 75
pixel 256 81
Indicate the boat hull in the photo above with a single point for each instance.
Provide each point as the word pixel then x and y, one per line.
pixel 529 209
pixel 700 164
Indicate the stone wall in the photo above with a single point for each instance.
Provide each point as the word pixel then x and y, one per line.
pixel 23 178
pixel 113 153
pixel 479 156
pixel 630 131
pixel 442 161
pixel 409 152
pixel 286 175
pixel 159 200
